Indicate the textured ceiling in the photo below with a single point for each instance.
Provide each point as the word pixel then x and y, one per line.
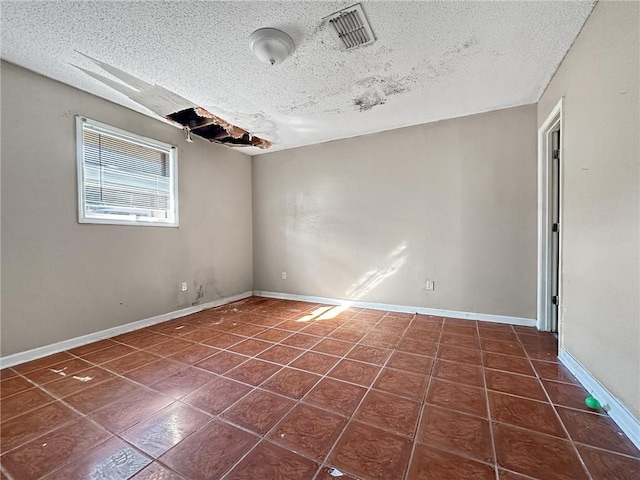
pixel 431 60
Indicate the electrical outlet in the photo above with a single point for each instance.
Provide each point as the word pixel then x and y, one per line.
pixel 183 287
pixel 284 275
pixel 431 285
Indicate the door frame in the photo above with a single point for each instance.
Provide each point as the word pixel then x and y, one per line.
pixel 545 205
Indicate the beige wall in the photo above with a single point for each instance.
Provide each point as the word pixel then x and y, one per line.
pixel 600 319
pixel 62 279
pixel 372 218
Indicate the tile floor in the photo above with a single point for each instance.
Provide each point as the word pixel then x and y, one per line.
pixel 272 389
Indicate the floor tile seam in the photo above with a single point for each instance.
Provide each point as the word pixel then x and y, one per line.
pixel 351 418
pixel 458 453
pixel 606 450
pixel 489 417
pixel 559 419
pixel 414 444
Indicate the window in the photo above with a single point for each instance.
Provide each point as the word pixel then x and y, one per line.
pixel 125 179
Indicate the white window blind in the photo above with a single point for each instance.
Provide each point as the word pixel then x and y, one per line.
pixel 124 178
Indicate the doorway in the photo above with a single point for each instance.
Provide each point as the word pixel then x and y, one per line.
pixel 550 221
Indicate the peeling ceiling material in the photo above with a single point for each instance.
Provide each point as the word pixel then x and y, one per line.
pixel 430 61
pixel 161 101
pixel 206 125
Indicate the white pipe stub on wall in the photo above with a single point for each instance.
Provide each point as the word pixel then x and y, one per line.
pixel 271 45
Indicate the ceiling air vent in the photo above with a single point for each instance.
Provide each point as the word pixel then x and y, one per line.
pixel 350 28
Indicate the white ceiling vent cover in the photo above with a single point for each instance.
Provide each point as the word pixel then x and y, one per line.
pixel 349 27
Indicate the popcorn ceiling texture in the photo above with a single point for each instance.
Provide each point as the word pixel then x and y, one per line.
pixel 431 60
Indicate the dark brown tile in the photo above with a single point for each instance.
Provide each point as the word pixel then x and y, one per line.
pixel 101 394
pixel 339 397
pixel 607 465
pixel 554 371
pixel 368 354
pixel 155 371
pixel 348 334
pixel 431 463
pixel 250 347
pixel 292 383
pixel 547 352
pixel 280 354
pixel 355 372
pixel 419 348
pixel 57 371
pixel 371 453
pixel 389 412
pixel 464 341
pixel 194 354
pixel 273 335
pixel 92 347
pixel 156 471
pixel 7 373
pixel 169 347
pixel 184 382
pixel 411 363
pixel 457 432
pixel 596 430
pixel 404 384
pixel 515 384
pixel 41 363
pixel 507 475
pixel 505 348
pixel 461 355
pixel 333 347
pixel 259 411
pixel 109 460
pixel 536 454
pixel 460 326
pixel 224 340
pixel 319 329
pixel 14 385
pixel 253 371
pixel 73 384
pixel 210 452
pixel 269 461
pixel 222 362
pixel 308 430
pixel 165 429
pixel 130 409
pixel 130 362
pixel 507 363
pixel 48 452
pixel 315 362
pixel 108 354
pixel 300 340
pixel 217 395
pixel 568 395
pixel 147 340
pixel 24 402
pixel 26 427
pixel 459 372
pixel 498 334
pixel 457 396
pixel 525 413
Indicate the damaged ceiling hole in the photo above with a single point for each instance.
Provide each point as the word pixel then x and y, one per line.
pixel 201 122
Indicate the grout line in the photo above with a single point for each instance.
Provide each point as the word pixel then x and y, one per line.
pixel 486 398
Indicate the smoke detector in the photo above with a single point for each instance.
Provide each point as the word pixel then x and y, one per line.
pixel 271 45
pixel 350 28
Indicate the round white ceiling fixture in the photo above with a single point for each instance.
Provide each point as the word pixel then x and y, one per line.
pixel 271 45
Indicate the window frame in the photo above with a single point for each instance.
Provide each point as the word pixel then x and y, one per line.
pixel 102 128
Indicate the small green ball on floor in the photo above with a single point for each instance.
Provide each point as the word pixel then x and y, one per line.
pixel 593 403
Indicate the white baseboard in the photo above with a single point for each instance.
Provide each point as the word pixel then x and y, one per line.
pixel 21 357
pixel 627 422
pixel 483 317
